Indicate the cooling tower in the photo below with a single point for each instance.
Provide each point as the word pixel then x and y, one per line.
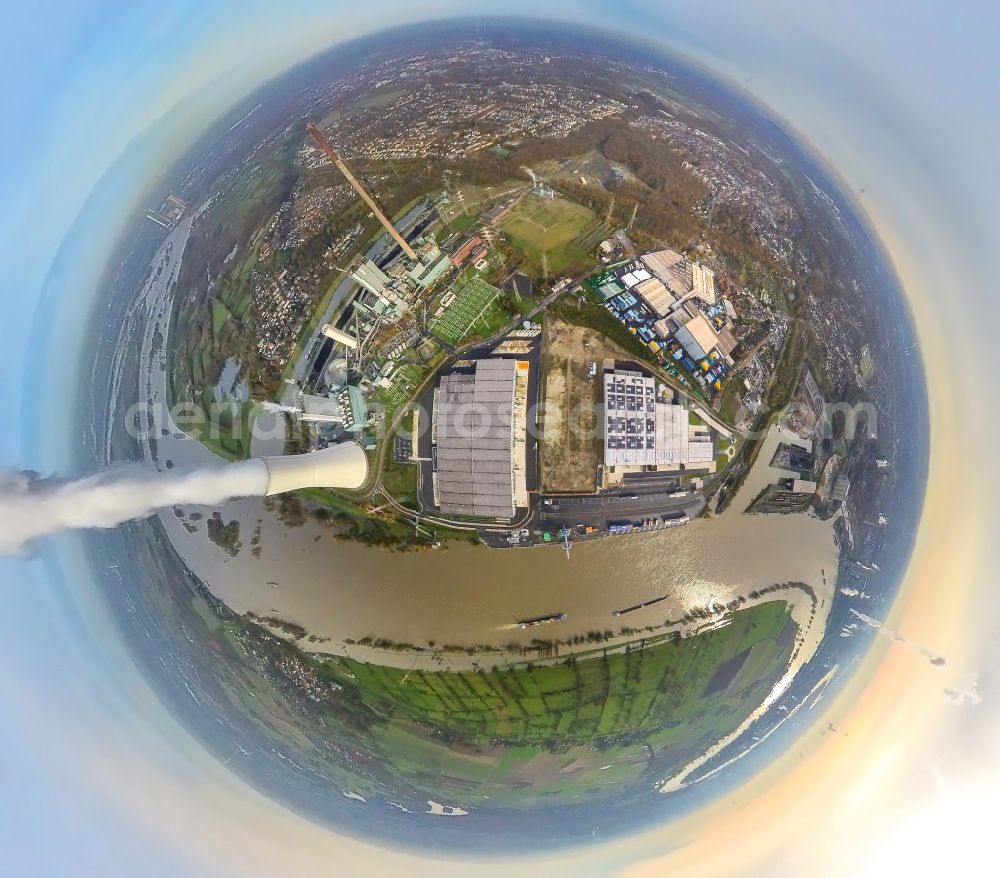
pixel 340 466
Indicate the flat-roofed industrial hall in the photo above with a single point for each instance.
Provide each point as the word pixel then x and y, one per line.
pixel 479 439
pixel 644 431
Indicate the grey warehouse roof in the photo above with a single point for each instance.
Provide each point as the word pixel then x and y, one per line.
pixel 475 440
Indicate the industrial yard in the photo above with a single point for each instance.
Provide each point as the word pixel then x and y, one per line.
pixel 571 428
pixel 472 308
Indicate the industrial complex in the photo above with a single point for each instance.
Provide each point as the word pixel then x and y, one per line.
pixel 531 342
pixel 672 306
pixel 431 351
pixel 404 334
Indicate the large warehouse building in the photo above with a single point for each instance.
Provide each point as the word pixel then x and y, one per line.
pixel 642 432
pixel 697 337
pixel 683 278
pixel 479 439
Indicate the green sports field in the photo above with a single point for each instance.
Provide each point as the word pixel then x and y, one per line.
pixel 563 230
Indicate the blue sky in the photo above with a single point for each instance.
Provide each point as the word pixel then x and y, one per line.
pixel 899 97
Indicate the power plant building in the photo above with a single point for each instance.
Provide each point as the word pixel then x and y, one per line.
pixel 479 440
pixel 465 250
pixel 434 272
pixel 346 407
pixel 495 214
pixel 381 296
pixel 371 277
pixel 338 335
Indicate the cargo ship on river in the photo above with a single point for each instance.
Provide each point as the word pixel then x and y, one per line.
pixel 541 620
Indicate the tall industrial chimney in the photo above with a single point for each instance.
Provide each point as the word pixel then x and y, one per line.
pixel 324 145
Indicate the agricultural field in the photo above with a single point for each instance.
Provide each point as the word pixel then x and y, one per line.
pixel 570 727
pixel 473 307
pixel 562 231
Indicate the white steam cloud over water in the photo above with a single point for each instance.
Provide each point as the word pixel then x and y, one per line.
pixel 932 657
pixel 31 508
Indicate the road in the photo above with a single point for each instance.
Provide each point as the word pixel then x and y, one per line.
pixel 602 509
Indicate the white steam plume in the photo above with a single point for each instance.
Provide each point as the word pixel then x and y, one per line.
pixel 932 657
pixel 31 508
pixel 967 696
pixel 275 408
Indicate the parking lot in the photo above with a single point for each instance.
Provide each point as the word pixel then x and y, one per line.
pixel 603 510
